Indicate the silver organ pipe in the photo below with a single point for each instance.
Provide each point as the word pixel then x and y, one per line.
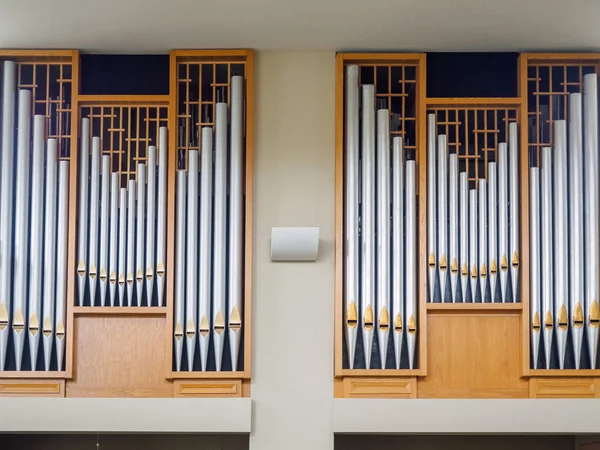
pixel 94 203
pixel 235 219
pixel 122 245
pixel 442 213
pixel 464 234
pixel 180 276
pixel 383 231
pixel 150 224
pixel 547 290
pixel 50 252
pixel 351 210
pixel 130 241
pixel 104 238
pixel 492 228
pixel 576 293
pixel 220 233
pixel 561 244
pixel 161 213
pixel 534 205
pixel 9 87
pixel 191 311
pixel 503 246
pixel 206 194
pixel 61 261
pixel 398 266
pixel 21 250
pixel 431 205
pixel 368 220
pixel 513 186
pixel 454 216
pixel 590 117
pixel 82 240
pixel 411 260
pixel 37 209
pixel 473 261
pixel 114 237
pixel 141 228
pixel 483 217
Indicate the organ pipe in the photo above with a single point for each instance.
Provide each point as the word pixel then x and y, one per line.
pixel 534 195
pixel 151 217
pixel 547 291
pixel 180 269
pixel 383 231
pixel 141 228
pixel 513 172
pixel 411 260
pixel 82 242
pixel 473 244
pixel 453 204
pixel 483 238
pixel 104 238
pixel 130 241
pixel 61 261
pixel 94 203
pixel 493 228
pixel 464 233
pixel 161 224
pixel 21 248
pixel 398 266
pixel 122 244
pixel 442 213
pixel 503 245
pixel 192 257
pixel 114 237
pixel 431 204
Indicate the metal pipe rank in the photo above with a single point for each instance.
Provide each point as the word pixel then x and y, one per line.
pixel 180 274
pixel 431 205
pixel 161 225
pixel 442 213
pixel 94 203
pixel 151 217
pixel 61 261
pixel 84 182
pixel 513 186
pixel 592 263
pixel 351 211
pixel 576 293
pixel 114 236
pixel 483 216
pixel 130 241
pixel 122 245
pixel 141 228
pixel 21 252
pixel 191 311
pixel 547 292
pixel 104 244
pixel 474 272
pixel 534 204
pixel 368 220
pixel 383 231
pixel 464 233
pixel 493 228
pixel 411 260
pixel 398 266
pixel 454 254
pixel 503 245
pixel 561 244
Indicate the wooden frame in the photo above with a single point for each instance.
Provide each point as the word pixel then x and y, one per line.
pixel 378 59
pixel 245 57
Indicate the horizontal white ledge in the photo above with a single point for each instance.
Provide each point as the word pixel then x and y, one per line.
pixel 486 416
pixel 125 415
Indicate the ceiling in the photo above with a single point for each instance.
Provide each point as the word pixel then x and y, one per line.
pixel 155 26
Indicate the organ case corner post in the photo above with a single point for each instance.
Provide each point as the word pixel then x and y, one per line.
pixel 211 102
pixel 379 140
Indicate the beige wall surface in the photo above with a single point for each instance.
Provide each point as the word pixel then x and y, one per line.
pixel 294 183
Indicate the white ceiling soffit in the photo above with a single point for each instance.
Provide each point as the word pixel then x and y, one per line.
pixel 155 26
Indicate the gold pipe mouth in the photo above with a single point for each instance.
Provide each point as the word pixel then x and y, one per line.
pixel 504 264
pixel 515 260
pixel 398 324
pixel 535 323
pixel 454 266
pixel 431 261
pixel 578 316
pixel 548 322
pixel 493 267
pixel 81 268
pixel 412 325
pixel 352 315
pixel 465 270
pixel 443 263
pixel 3 324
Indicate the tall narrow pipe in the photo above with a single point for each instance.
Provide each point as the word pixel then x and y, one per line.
pixel 9 87
pixel 130 241
pixel 513 187
pixel 61 261
pixel 383 231
pixel 398 266
pixel 94 203
pixel 473 260
pixel 546 252
pixel 483 234
pixel 114 236
pixel 442 213
pixel 576 292
pixel 206 204
pixel 49 252
pixel 151 226
pixel 464 234
pixel 122 245
pixel 368 220
pixel 220 233
pixel 592 263
pixel 141 229
pixel 503 248
pixel 180 274
pixel 493 228
pixel 411 260
pixel 191 302
pixel 236 212
pixel 432 260
pixel 534 204
pixel 351 210
pixel 37 217
pixel 561 244
pixel 161 223
pixel 454 216
pixel 84 181
pixel 21 225
pixel 104 238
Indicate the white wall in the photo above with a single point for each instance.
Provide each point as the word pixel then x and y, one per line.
pixel 294 171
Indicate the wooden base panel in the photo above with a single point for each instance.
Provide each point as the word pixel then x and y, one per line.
pixel 32 388
pixel 370 387
pixel 564 388
pixel 208 388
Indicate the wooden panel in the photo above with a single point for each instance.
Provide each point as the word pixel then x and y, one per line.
pixel 461 308
pixel 119 357
pixel 474 356
pixel 208 388
pixel 120 310
pixel 32 388
pixel 380 387
pixel 563 388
